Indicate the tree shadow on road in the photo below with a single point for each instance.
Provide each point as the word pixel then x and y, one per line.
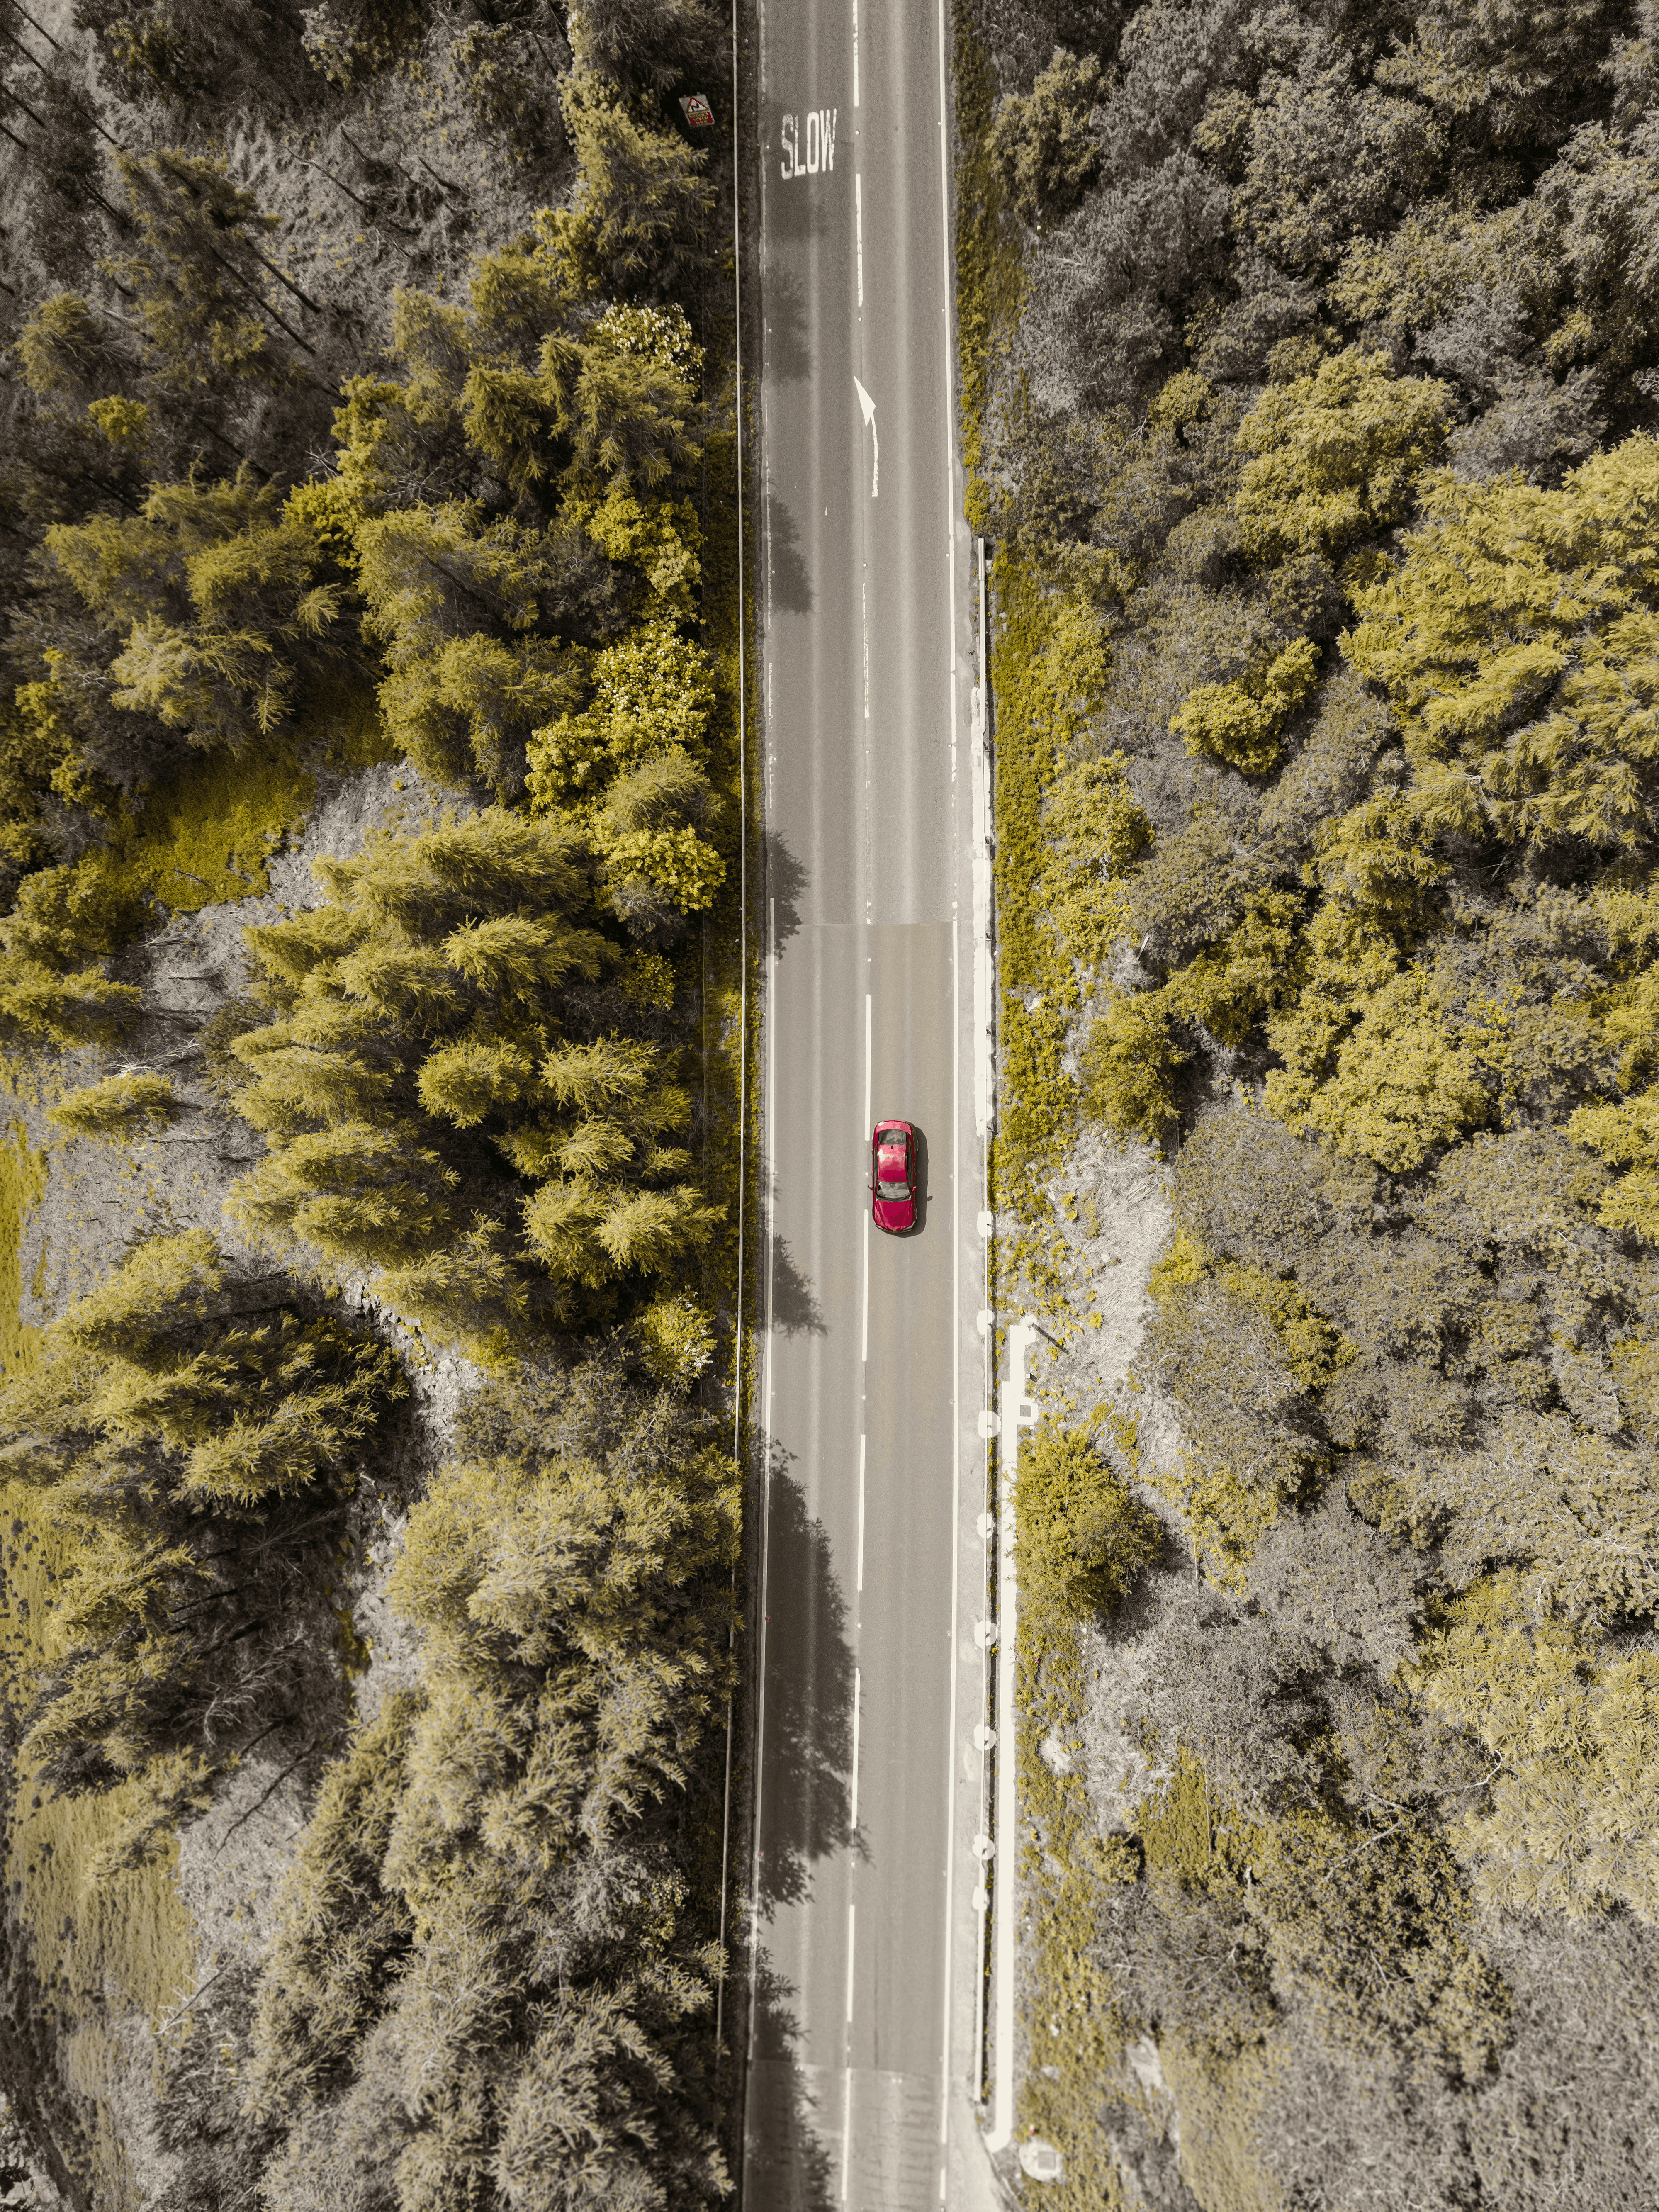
pixel 786 879
pixel 788 357
pixel 795 1311
pixel 806 1748
pixel 787 2161
pixel 789 588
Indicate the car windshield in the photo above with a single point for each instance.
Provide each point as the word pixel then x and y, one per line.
pixel 892 1166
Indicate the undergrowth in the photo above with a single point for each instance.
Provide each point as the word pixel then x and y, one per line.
pixel 1082 1537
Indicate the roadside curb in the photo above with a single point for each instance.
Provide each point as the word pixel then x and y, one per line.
pixel 1015 1411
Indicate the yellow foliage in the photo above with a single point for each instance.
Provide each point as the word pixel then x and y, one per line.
pixel 124 422
pixel 1336 457
pixel 1400 1083
pixel 1626 1135
pixel 1082 1536
pixel 1313 1349
pixel 1096 832
pixel 1241 722
pixel 209 832
pixel 22 1186
pixel 1130 1064
pixel 1254 968
pixel 1518 645
pixel 1570 1822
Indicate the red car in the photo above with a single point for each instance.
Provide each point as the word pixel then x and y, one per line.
pixel 893 1176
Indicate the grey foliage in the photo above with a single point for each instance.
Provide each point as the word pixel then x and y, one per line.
pixel 1478 342
pixel 1535 426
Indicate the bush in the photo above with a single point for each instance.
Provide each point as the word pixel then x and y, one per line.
pixel 1129 1063
pixel 1040 140
pixel 1083 1537
pixel 1335 458
pixel 119 1107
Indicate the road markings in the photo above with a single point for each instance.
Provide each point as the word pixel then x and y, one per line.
pixel 858 218
pixel 857 1696
pixel 865 1354
pixel 950 527
pixel 869 406
pixel 869 1023
pixel 864 611
pixel 847 2119
pixel 862 1442
pixel 851 1910
pixel 817 153
pixel 855 52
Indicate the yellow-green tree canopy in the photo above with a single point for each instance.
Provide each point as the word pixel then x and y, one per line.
pixel 1335 458
pixel 1518 643
pixel 426 1104
pixel 197 1434
pixel 216 590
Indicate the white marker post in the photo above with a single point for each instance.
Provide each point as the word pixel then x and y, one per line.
pixel 1017 1411
pixel 869 407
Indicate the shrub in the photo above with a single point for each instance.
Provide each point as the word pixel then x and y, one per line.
pixel 119 1107
pixel 1335 458
pixel 1083 1537
pixel 1129 1062
pixel 1040 141
pixel 1241 722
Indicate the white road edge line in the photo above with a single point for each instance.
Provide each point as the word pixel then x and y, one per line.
pixel 852 1913
pixel 863 1441
pixel 846 2130
pixel 764 1438
pixel 956 1111
pixel 858 215
pixel 858 1694
pixel 855 52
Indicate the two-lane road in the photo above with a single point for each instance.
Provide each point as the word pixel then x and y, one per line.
pixel 858 1876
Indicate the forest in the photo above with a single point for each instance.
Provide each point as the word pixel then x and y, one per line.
pixel 1310 365
pixel 367 458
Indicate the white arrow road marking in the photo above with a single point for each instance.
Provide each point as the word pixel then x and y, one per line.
pixel 869 407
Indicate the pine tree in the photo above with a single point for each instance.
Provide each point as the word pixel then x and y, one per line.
pixel 654 1228
pixel 196 1437
pixel 192 270
pixel 640 224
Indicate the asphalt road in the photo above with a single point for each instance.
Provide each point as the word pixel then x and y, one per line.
pixel 863 1805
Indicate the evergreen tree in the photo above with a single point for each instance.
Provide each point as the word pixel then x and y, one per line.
pixel 415 1077
pixel 639 227
pixel 196 1437
pixel 216 589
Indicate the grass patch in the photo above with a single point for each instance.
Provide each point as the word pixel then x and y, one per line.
pixel 208 834
pixel 347 723
pixel 22 1186
pixel 1046 660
